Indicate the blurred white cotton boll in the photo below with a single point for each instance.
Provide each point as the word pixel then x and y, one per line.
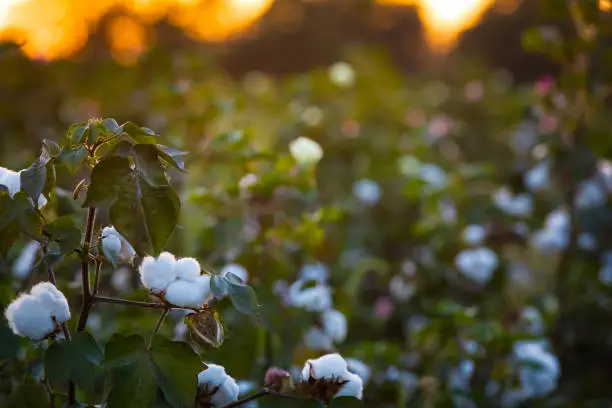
pixel 477 264
pixel 532 318
pixel 121 280
pixel 220 388
pixel 314 272
pixel 236 269
pixel 53 300
pixel 313 298
pixel 518 205
pixel 358 367
pixel 342 74
pixel 367 191
pixel 460 376
pixel 312 116
pixel 334 324
pixel 157 273
pixel 538 178
pixel 474 234
pixel 401 289
pixel 305 151
pixel 541 379
pixel 25 261
pixel 317 339
pixel 28 317
pixel 433 175
pixel 587 242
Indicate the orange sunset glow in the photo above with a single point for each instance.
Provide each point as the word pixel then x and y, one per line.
pixel 50 29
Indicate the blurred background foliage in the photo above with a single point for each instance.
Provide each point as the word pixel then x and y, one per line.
pixel 420 140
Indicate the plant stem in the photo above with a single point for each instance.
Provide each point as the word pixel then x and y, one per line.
pixel 126 302
pixel 157 327
pixel 85 248
pixel 49 391
pixel 97 276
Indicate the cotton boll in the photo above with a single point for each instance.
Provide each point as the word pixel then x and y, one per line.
pixel 352 388
pixel 325 367
pixel 121 280
pixel 315 299
pixel 306 151
pixel 533 320
pixel 474 234
pixel 25 261
pixel 28 317
pixel 219 388
pixel 187 269
pixel 317 339
pixel 360 368
pixel 367 191
pixel 519 205
pixel 334 324
pixel 342 74
pixel 11 180
pixel 538 178
pixel 541 380
pixel 156 274
pixel 237 270
pixel 590 194
pixel 111 244
pixel 52 300
pixel 460 376
pixel 477 264
pixel 433 175
pixel 550 240
pixel 183 293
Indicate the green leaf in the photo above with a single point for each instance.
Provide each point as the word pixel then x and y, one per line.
pixel 107 180
pixel 148 165
pixel 78 133
pixel 160 207
pixel 34 178
pixel 10 343
pixel 73 157
pixel 66 231
pixel 173 156
pixel 111 125
pixel 243 298
pixel 177 367
pixel 53 149
pixel 29 395
pixel 345 402
pixel 219 286
pixel 122 350
pixel 50 181
pixel 139 134
pixel 132 385
pixel 76 360
pixel 27 217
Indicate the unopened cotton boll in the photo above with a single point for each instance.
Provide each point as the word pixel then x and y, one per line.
pixel 358 367
pixel 25 261
pixel 184 293
pixel 474 234
pixel 315 298
pixel 334 324
pixel 478 264
pixel 157 273
pixel 305 151
pixel 367 191
pixel 28 317
pixel 187 269
pixel 53 300
pixel 216 387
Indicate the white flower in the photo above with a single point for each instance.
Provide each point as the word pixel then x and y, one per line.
pixel 305 151
pixel 367 191
pixel 518 205
pixel 235 269
pixel 334 324
pixel 541 380
pixel 314 298
pixel 157 273
pixel 474 234
pixel 12 180
pixel 28 317
pixel 317 339
pixel 35 315
pixel 360 368
pixel 314 272
pixel 220 388
pixel 332 367
pixel 184 293
pixel 25 261
pixel 538 177
pixel 342 74
pixel 478 264
pixel 53 300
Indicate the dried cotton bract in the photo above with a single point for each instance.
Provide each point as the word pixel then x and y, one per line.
pixel 216 388
pixel 328 377
pixel 178 281
pixel 37 314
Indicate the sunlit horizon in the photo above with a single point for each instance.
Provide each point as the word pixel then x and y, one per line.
pixel 54 29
